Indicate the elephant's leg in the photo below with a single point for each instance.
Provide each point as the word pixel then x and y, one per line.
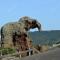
pixel 29 43
pixel 8 42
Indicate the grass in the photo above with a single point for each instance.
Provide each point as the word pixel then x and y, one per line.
pixel 5 51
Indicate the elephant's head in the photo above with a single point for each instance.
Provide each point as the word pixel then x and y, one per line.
pixel 30 23
pixel 35 24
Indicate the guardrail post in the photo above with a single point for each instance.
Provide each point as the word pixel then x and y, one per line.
pixel 30 50
pixel 19 54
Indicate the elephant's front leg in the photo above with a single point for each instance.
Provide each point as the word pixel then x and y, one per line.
pixel 29 43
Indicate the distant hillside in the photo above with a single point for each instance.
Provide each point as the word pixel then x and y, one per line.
pixel 45 37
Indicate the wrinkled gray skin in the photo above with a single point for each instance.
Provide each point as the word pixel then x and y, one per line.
pixel 22 26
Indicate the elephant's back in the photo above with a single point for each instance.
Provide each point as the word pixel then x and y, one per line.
pixel 7 28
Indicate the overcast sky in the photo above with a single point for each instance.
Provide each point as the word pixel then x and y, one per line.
pixel 47 12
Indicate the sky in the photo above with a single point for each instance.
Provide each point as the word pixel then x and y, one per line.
pixel 47 12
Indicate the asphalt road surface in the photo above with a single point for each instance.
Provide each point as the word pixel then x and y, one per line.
pixel 53 54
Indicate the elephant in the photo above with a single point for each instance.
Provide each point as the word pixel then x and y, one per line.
pixel 23 25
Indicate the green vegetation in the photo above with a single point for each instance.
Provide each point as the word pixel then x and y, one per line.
pixel 5 51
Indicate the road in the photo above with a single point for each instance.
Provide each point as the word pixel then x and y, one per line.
pixel 53 54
